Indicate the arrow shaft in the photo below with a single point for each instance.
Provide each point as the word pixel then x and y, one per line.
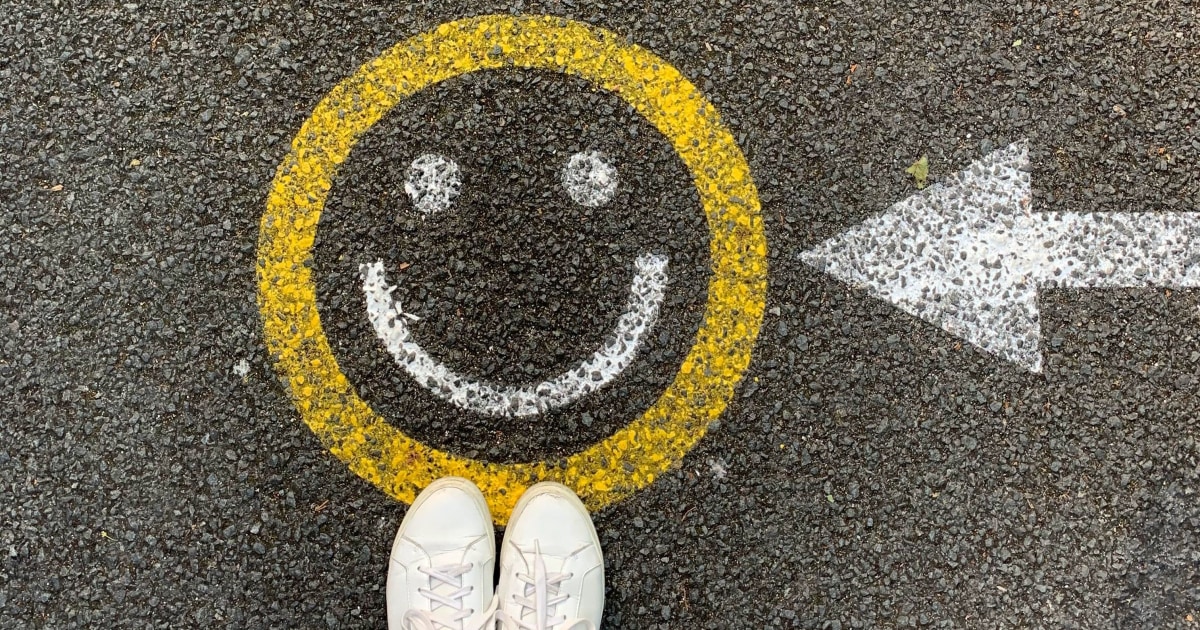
pixel 1113 250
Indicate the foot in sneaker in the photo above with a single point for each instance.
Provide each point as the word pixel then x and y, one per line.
pixel 443 558
pixel 551 567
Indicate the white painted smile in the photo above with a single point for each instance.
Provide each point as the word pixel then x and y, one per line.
pixel 589 180
pixel 641 312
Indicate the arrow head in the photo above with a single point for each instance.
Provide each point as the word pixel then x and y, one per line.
pixel 951 255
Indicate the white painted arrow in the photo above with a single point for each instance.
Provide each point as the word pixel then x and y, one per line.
pixel 970 255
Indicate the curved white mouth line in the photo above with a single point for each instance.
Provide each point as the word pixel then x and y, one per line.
pixel 641 311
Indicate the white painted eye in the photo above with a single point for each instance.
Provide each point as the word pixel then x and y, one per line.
pixel 432 183
pixel 589 179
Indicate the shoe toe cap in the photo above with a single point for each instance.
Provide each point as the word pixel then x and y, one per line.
pixel 446 518
pixel 558 522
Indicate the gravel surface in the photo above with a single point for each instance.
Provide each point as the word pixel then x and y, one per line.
pixel 872 471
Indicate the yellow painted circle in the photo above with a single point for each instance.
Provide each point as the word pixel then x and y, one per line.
pixel 629 459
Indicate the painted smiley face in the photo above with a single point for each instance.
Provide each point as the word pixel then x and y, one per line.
pixel 433 182
pixel 635 454
pixel 515 259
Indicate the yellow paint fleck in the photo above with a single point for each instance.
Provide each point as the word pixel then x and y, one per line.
pixel 631 458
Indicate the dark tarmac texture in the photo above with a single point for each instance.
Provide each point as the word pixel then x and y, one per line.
pixel 871 471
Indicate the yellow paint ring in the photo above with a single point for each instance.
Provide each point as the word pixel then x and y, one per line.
pixel 629 459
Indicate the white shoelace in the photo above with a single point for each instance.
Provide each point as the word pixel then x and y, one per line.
pixel 440 578
pixel 541 597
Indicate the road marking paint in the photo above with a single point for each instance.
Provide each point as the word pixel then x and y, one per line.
pixel 432 183
pixel 645 298
pixel 635 455
pixel 589 179
pixel 969 255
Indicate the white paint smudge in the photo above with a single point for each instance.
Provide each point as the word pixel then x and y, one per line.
pixel 590 179
pixel 241 368
pixel 641 311
pixel 432 183
pixel 718 468
pixel 970 255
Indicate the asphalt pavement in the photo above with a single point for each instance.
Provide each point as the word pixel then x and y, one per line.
pixel 869 469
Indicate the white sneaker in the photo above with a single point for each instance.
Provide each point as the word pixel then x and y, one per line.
pixel 551 568
pixel 443 558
